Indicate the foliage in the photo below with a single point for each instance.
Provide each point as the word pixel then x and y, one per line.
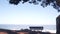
pixel 44 3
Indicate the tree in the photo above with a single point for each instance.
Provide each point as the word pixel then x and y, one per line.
pixel 58 25
pixel 45 3
pixel 58 2
pixel 14 2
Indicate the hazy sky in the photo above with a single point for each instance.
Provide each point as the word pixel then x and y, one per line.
pixel 26 14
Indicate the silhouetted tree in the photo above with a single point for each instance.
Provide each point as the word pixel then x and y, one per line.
pixel 58 2
pixel 14 1
pixel 58 25
pixel 45 3
pixel 25 1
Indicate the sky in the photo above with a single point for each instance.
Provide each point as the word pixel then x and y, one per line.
pixel 28 14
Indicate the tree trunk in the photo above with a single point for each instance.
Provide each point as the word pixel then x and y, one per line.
pixel 58 25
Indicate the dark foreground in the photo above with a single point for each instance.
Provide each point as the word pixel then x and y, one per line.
pixel 22 31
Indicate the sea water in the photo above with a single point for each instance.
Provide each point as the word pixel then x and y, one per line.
pixel 49 28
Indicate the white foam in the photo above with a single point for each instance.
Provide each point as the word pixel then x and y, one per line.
pixel 51 31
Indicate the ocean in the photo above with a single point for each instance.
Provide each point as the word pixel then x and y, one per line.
pixel 50 28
